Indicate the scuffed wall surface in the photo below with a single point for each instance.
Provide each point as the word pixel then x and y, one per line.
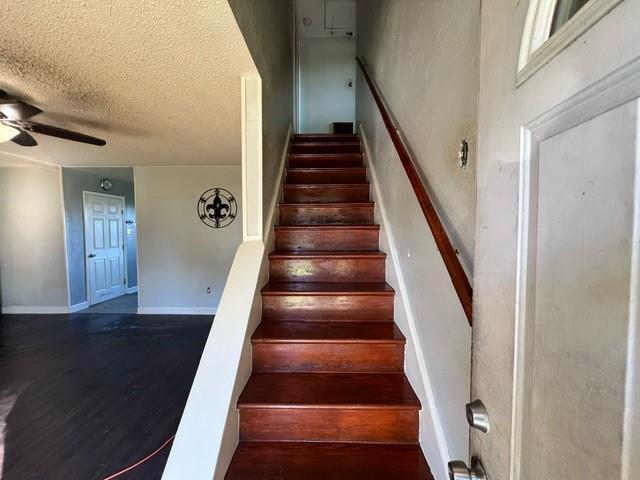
pixel 424 56
pixel 268 31
pixel 32 263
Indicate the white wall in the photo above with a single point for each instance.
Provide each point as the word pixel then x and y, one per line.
pixel 424 56
pixel 326 67
pixel 33 277
pixel 178 255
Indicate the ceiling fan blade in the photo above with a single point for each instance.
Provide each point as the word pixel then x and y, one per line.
pixel 17 110
pixel 24 139
pixel 59 133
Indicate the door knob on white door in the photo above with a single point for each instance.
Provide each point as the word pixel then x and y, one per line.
pixel 91 255
pixel 458 470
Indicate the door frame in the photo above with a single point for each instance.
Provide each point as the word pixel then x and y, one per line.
pixel 84 234
pixel 614 90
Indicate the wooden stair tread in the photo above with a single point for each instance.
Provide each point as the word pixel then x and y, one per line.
pixel 328 390
pixel 328 204
pixel 329 226
pixel 300 254
pixel 327 461
pixel 299 288
pixel 306 332
pixel 326 186
pixel 346 142
pixel 326 169
pixel 306 137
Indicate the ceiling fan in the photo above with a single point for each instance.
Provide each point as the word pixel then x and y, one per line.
pixel 15 125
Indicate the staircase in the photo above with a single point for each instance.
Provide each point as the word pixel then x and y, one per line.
pixel 327 398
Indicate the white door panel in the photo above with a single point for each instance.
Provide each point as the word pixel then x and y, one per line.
pixel 105 246
pixel 555 350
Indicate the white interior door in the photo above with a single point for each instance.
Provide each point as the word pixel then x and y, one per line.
pixel 104 246
pixel 555 352
pixel 327 82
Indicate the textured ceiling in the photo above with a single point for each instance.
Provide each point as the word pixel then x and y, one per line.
pixel 159 80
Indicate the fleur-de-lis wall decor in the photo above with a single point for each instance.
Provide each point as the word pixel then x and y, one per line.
pixel 217 208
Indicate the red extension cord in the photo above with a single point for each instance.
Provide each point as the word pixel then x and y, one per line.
pixel 137 464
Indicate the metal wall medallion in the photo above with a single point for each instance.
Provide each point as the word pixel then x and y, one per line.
pixel 217 208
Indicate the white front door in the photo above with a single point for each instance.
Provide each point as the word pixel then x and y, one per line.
pixel 104 246
pixel 555 351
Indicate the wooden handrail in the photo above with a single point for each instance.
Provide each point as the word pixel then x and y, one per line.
pixel 451 261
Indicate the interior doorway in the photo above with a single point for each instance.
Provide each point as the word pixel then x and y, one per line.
pixel 104 246
pixel 325 64
pixel 100 221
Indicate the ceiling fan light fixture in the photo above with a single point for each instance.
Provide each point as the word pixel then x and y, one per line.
pixel 7 133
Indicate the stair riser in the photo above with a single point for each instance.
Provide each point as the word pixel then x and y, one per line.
pixel 327 176
pixel 311 138
pixel 370 425
pixel 301 215
pixel 331 357
pixel 307 238
pixel 325 161
pixel 328 308
pixel 325 148
pixel 321 269
pixel 321 194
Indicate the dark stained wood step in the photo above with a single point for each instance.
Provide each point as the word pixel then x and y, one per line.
pixel 325 160
pixel 327 266
pixel 326 193
pixel 326 213
pixel 328 347
pixel 327 237
pixel 327 461
pixel 325 147
pixel 353 407
pixel 328 302
pixel 326 175
pixel 325 137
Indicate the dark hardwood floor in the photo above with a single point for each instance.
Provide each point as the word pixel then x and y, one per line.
pixel 90 394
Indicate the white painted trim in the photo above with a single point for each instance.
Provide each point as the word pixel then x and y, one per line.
pixel 631 436
pixel 538 49
pixel 273 207
pixel 131 290
pixel 429 410
pixel 79 306
pixel 65 248
pixel 177 310
pixel 611 91
pixel 251 109
pixel 35 310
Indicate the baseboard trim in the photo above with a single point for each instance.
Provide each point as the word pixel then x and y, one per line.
pixel 131 290
pixel 177 310
pixel 79 306
pixel 34 310
pixel 430 409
